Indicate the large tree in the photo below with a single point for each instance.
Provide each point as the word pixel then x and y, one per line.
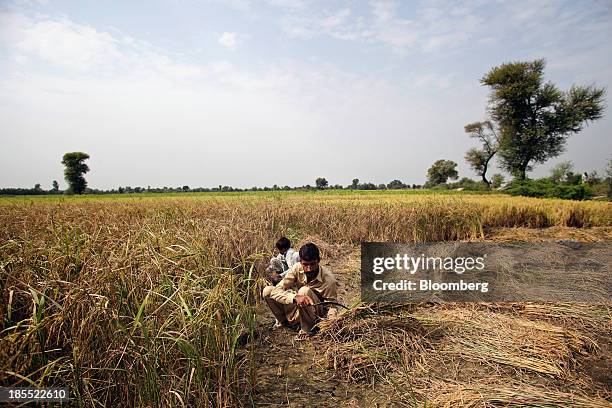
pixel 535 117
pixel 441 171
pixel 479 159
pixel 74 171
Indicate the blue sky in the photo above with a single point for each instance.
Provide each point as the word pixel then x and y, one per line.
pixel 244 93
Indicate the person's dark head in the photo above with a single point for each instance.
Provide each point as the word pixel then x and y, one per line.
pixel 283 244
pixel 309 258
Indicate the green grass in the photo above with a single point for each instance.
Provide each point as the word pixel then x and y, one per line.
pixel 259 194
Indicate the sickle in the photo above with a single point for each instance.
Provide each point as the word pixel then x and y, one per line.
pixel 329 302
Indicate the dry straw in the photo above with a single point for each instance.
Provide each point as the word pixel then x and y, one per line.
pixel 151 301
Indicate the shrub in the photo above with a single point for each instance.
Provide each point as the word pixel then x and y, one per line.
pixel 469 184
pixel 545 187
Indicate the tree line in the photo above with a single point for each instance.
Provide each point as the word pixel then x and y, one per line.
pixel 318 185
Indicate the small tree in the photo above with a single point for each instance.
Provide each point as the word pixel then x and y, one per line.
pixel 321 183
pixel 497 180
pixel 396 185
pixel 441 171
pixel 75 168
pixel 535 118
pixel 479 159
pixel 355 184
pixel 367 186
pixel 55 187
pixel 562 171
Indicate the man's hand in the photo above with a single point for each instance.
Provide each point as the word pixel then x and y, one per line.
pixel 275 278
pixel 303 300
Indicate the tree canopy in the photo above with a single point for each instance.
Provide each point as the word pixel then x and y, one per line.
pixel 535 117
pixel 74 171
pixel 396 185
pixel 441 171
pixel 321 183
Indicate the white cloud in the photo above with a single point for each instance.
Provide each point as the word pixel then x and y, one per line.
pixel 433 81
pixel 82 48
pixel 228 40
pixel 337 24
pixel 20 59
pixel 29 2
pixel 435 27
pixel 336 19
pixel 249 6
pixel 441 27
pixel 437 42
pixel 67 44
pixel 291 4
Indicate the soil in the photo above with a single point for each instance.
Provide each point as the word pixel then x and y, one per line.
pixel 294 373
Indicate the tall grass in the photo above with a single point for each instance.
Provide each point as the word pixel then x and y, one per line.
pixel 127 306
pixel 151 301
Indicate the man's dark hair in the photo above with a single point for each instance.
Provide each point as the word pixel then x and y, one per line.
pixel 309 252
pixel 283 244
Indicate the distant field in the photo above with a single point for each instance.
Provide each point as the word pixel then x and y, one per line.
pixel 553 211
pixel 259 194
pixel 150 299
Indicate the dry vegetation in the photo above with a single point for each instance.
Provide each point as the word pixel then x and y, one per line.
pixel 152 301
pixel 477 355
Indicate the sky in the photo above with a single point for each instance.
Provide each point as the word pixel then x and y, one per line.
pixel 252 93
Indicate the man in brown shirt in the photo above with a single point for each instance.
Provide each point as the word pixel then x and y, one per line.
pixel 314 284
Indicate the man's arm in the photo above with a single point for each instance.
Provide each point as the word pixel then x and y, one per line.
pixel 281 293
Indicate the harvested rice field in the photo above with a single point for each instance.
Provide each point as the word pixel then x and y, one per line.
pixel 145 300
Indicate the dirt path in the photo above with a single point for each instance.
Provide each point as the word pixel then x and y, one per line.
pixel 294 374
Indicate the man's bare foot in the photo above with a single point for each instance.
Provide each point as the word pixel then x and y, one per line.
pixel 302 335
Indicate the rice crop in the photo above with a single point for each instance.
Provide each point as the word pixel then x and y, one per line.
pixel 152 300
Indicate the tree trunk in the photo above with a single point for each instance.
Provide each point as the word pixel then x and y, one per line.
pixel 484 180
pixel 484 171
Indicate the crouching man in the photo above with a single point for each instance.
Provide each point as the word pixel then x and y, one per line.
pixel 281 263
pixel 314 284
